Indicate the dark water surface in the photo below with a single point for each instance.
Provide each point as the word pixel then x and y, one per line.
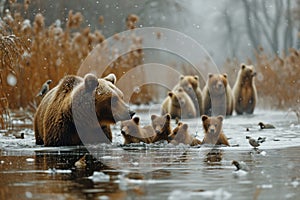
pixel 158 171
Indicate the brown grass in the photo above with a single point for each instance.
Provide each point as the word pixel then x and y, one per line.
pixel 277 79
pixel 34 53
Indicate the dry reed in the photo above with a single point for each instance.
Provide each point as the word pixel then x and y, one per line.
pixel 32 53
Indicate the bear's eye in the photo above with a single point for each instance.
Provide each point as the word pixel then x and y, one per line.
pixel 216 125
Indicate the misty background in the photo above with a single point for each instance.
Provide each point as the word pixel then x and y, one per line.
pixel 225 28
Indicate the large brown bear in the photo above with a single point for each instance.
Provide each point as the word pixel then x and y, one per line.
pixel 213 133
pixel 179 105
pixel 181 135
pixel 191 86
pixel 217 96
pixel 79 105
pixel 244 90
pixel 161 126
pixel 134 133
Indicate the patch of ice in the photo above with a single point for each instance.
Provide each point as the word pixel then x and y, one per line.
pixel 239 173
pixel 263 153
pixel 29 159
pixel 99 177
pixel 219 194
pixel 178 194
pixel 295 183
pixel 28 195
pixel 58 171
pixel 266 186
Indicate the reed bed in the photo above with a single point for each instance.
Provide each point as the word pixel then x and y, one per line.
pixel 32 53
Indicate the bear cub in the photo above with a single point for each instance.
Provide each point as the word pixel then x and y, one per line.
pixel 161 126
pixel 179 105
pixel 213 133
pixel 134 133
pixel 181 135
pixel 191 86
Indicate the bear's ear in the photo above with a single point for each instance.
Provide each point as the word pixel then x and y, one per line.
pixel 196 77
pixel 185 126
pixel 243 66
pixel 170 93
pixel 220 117
pixel 210 75
pixel 225 75
pixel 153 117
pixel 90 81
pixel 168 116
pixel 179 124
pixel 181 77
pixel 111 78
pixel 204 117
pixel 136 120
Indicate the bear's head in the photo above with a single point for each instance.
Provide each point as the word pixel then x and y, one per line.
pixel 110 106
pixel 189 83
pixel 130 130
pixel 247 72
pixel 161 123
pixel 212 125
pixel 174 132
pixel 182 135
pixel 99 97
pixel 178 97
pixel 217 84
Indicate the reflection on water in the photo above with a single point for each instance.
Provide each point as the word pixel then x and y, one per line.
pixel 158 171
pixel 201 173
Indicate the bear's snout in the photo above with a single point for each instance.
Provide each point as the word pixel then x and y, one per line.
pixel 211 130
pixel 157 130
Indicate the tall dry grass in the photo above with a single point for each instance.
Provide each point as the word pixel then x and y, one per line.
pixel 277 80
pixel 32 53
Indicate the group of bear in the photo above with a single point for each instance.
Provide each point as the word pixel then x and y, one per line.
pixel 90 105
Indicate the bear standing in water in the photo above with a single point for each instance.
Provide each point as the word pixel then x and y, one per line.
pixel 244 90
pixel 84 104
pixel 217 96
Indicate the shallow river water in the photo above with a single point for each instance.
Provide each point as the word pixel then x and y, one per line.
pixel 159 171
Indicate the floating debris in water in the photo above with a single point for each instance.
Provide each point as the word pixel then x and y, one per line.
pixel 99 177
